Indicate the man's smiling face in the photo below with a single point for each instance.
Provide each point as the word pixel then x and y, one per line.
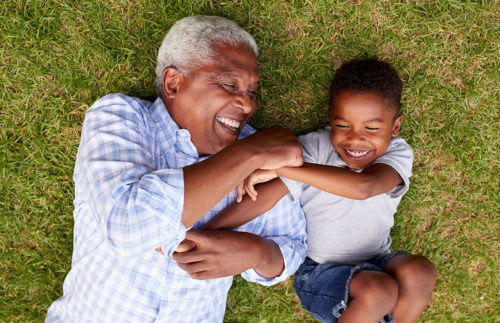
pixel 217 99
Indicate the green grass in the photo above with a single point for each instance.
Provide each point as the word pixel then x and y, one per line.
pixel 58 57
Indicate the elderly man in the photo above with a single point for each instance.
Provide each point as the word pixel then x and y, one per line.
pixel 147 172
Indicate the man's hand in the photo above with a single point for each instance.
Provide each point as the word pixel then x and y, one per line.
pixel 227 253
pixel 185 245
pixel 247 186
pixel 278 147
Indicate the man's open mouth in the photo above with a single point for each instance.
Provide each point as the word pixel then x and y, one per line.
pixel 229 123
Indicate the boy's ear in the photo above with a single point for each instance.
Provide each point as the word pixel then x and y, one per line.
pixel 171 80
pixel 396 125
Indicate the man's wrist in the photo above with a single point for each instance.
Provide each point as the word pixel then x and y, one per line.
pixel 250 153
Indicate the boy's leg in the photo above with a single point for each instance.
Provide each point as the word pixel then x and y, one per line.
pixel 372 295
pixel 327 290
pixel 416 279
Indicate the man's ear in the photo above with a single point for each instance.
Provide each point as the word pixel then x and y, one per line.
pixel 171 80
pixel 396 125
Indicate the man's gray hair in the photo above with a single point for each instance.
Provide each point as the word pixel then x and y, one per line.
pixel 191 40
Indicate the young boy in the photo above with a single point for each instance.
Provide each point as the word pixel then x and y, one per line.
pixel 353 178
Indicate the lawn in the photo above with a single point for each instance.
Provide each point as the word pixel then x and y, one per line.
pixel 57 57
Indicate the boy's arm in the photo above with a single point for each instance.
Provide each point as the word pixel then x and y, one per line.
pixel 240 213
pixel 373 180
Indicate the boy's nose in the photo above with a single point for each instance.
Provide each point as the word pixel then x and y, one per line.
pixel 354 136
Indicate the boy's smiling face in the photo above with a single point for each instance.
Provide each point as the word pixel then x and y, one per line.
pixel 362 127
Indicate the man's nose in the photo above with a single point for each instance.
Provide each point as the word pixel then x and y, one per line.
pixel 245 102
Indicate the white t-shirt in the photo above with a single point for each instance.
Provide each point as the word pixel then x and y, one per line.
pixel 344 230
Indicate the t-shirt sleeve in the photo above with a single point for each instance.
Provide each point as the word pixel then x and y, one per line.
pixel 399 156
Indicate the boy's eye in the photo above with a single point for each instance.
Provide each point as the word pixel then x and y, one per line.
pixel 371 128
pixel 341 126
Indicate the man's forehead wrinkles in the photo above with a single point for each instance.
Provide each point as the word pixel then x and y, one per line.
pixel 230 74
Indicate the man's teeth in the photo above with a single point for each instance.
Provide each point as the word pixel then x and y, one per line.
pixel 228 122
pixel 357 153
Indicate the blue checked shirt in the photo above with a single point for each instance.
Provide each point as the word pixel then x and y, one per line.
pixel 129 194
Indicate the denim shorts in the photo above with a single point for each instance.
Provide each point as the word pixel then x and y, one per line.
pixel 323 288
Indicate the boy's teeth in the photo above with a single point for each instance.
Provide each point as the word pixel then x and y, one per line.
pixel 357 153
pixel 228 122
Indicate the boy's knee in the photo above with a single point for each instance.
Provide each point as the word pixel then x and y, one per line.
pixel 417 274
pixel 380 291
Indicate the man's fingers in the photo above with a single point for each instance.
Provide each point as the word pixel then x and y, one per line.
pixel 187 257
pixel 194 235
pixel 198 270
pixel 298 161
pixel 185 245
pixel 279 145
pixel 193 267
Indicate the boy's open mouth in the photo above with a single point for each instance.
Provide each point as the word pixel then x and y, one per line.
pixel 356 153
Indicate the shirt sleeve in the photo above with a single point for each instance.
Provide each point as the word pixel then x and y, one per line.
pixel 285 225
pixel 399 156
pixel 136 206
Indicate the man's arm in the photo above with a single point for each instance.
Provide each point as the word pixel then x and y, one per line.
pixel 227 253
pixel 207 182
pixel 274 250
pixel 139 207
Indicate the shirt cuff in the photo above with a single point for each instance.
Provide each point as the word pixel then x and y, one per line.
pixel 166 199
pixel 293 256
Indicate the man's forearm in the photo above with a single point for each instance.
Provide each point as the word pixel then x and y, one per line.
pixel 273 263
pixel 207 182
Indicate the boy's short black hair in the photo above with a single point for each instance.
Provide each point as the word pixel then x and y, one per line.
pixel 368 75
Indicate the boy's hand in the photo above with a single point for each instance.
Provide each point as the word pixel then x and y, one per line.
pixel 258 176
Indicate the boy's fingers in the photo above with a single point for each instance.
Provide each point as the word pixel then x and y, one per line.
pixel 240 190
pixel 250 187
pixel 251 192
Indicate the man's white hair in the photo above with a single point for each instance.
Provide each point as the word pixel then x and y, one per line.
pixel 191 40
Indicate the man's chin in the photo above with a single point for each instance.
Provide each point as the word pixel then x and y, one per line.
pixel 217 147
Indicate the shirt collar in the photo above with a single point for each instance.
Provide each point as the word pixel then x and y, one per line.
pixel 169 134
